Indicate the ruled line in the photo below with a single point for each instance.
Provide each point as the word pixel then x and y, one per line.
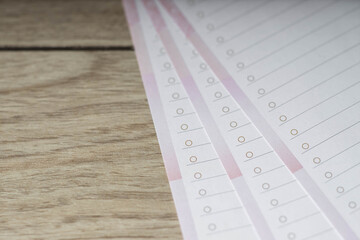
pixel 298 39
pixel 268 171
pixel 318 234
pixel 339 153
pixel 218 99
pixel 200 162
pixel 258 156
pixel 307 71
pixel 243 14
pixel 216 194
pixel 190 130
pixel 221 211
pixel 341 173
pixel 279 186
pixel 299 219
pixel 289 202
pixel 286 27
pixel 207 178
pixel 315 86
pixel 199 145
pixel 246 124
pixel 349 190
pixel 326 119
pixel 229 112
pixel 230 229
pixel 266 20
pixel 334 135
pixel 184 114
pixel 252 140
pixel 220 9
pixel 321 102
pixel 179 99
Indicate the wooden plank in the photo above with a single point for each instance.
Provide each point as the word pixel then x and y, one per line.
pixel 79 158
pixel 59 23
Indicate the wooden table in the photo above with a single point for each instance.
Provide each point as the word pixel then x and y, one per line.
pixel 79 158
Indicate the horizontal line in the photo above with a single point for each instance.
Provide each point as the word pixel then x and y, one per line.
pixel 197 145
pixel 252 140
pixel 269 171
pixel 184 114
pixel 221 98
pixel 288 202
pixel 230 229
pixel 203 179
pixel 337 154
pixel 230 112
pixel 355 210
pixel 245 124
pixel 258 156
pixel 349 190
pixel 209 160
pixel 279 186
pixel 318 234
pixel 334 135
pixel 66 48
pixel 190 130
pixel 216 194
pixel 221 211
pixel 299 219
pixel 341 173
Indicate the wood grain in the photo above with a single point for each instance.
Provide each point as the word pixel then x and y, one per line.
pixel 79 157
pixel 59 23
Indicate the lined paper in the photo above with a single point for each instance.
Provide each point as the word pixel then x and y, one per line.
pixel 293 67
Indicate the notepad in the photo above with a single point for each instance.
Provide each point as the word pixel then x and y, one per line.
pixel 259 98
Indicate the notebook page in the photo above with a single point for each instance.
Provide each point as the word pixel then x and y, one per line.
pixel 292 66
pixel 215 209
pixel 284 204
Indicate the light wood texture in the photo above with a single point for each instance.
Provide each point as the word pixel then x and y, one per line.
pixel 59 23
pixel 79 157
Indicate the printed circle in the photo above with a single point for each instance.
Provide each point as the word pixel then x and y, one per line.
pixel 274 202
pixel 233 124
pixel 352 204
pixel 167 65
pixel 225 109
pixel 212 227
pixel 207 209
pixel 283 219
pixel 202 192
pixel 175 95
pixel 249 154
pixel 250 78
pixel 210 27
pixel 184 126
pixel 210 80
pixel 200 14
pixel 265 186
pixel 241 139
pixel 218 94
pixel 257 170
pixel 240 65
pixel 316 160
pixel 220 39
pixel 305 146
pixel 197 175
pixel 328 174
pixel 291 236
pixel 230 52
pixel 179 111
pixel 188 143
pixel 171 80
pixel 294 131
pixel 340 189
pixel 261 91
pixel 272 104
pixel 283 118
pixel 203 66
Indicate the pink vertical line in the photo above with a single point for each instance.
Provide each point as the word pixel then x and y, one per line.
pixel 263 126
pixel 203 112
pixel 170 160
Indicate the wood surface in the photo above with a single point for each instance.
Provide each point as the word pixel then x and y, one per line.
pixel 79 157
pixel 59 23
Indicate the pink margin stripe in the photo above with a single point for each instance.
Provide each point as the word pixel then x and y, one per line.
pixel 203 112
pixel 259 121
pixel 167 149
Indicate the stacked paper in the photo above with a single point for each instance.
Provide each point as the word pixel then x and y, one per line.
pixel 256 108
